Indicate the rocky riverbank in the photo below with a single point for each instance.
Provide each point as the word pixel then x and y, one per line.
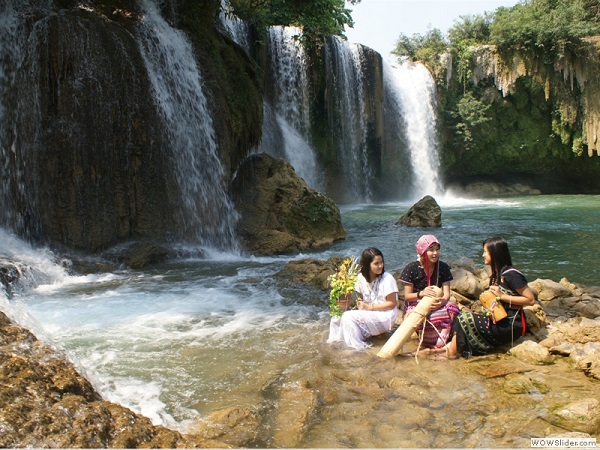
pixel 45 402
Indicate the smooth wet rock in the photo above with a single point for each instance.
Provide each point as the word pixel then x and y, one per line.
pixel 532 352
pixel 426 213
pixel 582 416
pixel 522 384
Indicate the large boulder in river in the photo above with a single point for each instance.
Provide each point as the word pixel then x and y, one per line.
pixel 425 213
pixel 279 212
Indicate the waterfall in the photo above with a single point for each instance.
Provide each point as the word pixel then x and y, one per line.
pixel 11 58
pixel 412 93
pixel 289 106
pixel 208 216
pixel 345 79
pixel 236 28
pixel 10 55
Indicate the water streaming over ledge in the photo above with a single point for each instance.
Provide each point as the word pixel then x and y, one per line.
pixel 409 116
pixel 209 216
pixel 286 123
pixel 237 29
pixel 11 58
pixel 411 89
pixel 343 66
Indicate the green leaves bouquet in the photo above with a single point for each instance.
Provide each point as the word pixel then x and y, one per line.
pixel 342 285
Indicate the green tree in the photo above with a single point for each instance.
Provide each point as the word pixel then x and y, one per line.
pixel 471 116
pixel 317 18
pixel 471 30
pixel 425 48
pixel 545 25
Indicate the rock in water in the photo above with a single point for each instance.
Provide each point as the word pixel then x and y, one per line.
pixel 279 212
pixel 425 213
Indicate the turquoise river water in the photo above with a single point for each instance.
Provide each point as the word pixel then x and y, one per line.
pixel 181 340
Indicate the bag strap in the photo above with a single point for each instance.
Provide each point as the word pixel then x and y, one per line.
pixel 512 269
pixel 523 322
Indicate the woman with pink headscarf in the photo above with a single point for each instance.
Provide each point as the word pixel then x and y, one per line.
pixel 419 278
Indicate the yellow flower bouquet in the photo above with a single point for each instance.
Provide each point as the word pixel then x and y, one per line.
pixel 342 285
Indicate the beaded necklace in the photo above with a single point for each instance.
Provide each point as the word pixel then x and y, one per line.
pixel 373 288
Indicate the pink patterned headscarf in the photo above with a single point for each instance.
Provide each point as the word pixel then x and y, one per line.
pixel 425 242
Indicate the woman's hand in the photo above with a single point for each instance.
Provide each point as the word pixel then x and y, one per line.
pixel 430 291
pixel 437 303
pixel 362 305
pixel 495 290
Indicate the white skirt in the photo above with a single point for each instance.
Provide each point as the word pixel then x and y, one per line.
pixel 356 326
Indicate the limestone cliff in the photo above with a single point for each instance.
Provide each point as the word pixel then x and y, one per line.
pixel 521 116
pixel 578 74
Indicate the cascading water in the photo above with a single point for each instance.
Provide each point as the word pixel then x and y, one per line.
pixel 209 215
pixel 11 56
pixel 236 28
pixel 343 65
pixel 290 106
pixel 411 93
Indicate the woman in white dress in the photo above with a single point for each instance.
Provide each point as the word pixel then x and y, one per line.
pixel 377 305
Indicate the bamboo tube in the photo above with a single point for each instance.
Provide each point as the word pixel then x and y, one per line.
pixel 410 323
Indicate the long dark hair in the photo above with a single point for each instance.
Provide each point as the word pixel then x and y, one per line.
pixel 500 255
pixel 367 257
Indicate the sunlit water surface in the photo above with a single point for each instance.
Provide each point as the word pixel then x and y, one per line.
pixel 178 341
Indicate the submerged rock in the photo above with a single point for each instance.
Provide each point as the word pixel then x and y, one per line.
pixel 582 416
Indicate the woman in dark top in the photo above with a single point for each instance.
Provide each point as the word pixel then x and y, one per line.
pixel 477 334
pixel 419 278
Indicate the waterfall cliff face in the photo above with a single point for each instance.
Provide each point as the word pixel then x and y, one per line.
pixel 349 118
pixel 129 122
pixel 107 134
pixel 382 125
pixel 81 140
pixel 412 98
pixel 287 105
pixel 207 215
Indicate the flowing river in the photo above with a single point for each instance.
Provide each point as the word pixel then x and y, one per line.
pixel 178 341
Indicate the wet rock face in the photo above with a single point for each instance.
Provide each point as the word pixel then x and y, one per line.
pixel 88 135
pixel 9 273
pixel 91 166
pixel 279 212
pixel 425 213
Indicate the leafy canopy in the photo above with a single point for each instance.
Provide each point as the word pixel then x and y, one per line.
pixel 419 47
pixel 547 25
pixel 317 18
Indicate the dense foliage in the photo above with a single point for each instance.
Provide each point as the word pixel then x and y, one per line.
pixel 547 25
pixel 317 18
pixel 541 123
